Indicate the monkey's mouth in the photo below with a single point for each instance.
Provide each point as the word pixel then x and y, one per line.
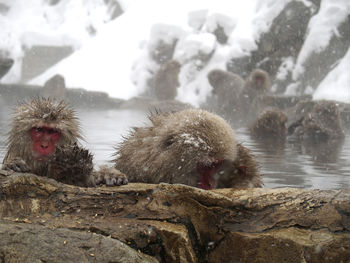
pixel 206 174
pixel 42 157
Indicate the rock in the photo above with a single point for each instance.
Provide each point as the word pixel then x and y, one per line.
pixel 79 98
pixel 284 39
pixel 170 223
pixel 37 59
pixel 5 66
pixel 320 63
pixel 23 242
pixel 54 87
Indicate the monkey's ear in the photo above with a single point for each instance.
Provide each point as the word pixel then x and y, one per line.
pixel 168 141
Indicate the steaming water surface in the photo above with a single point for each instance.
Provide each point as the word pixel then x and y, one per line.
pixel 292 164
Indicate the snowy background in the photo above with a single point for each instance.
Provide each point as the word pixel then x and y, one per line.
pixel 111 50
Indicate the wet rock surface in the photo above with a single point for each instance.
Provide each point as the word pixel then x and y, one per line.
pixel 41 219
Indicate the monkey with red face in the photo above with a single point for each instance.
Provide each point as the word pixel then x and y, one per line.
pixel 43 140
pixel 251 98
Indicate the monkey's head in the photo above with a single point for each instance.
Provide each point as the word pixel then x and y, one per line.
pixel 270 123
pixel 323 122
pixel 197 143
pixel 327 111
pixel 40 126
pixel 215 77
pixel 259 80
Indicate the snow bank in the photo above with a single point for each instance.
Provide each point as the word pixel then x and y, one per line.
pixel 336 85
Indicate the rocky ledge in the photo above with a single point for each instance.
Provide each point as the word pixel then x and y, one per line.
pixel 45 221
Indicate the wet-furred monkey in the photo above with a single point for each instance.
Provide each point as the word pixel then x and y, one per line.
pixel 192 147
pixel 44 140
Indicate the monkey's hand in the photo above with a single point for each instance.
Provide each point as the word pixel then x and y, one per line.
pixel 110 176
pixel 17 165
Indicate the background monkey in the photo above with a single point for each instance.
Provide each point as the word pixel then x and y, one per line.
pixel 258 83
pixel 271 123
pixel 226 89
pixel 322 122
pixel 251 99
pixel 166 80
pixel 43 140
pixel 192 147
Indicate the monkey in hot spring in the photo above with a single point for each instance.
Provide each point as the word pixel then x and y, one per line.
pixel 192 147
pixel 44 140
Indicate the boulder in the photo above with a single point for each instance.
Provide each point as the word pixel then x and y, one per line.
pixel 284 39
pixel 41 219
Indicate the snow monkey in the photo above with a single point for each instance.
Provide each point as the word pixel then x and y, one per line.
pixel 43 140
pixel 226 89
pixel 271 123
pixel 192 147
pixel 166 80
pixel 251 98
pixel 258 83
pixel 321 123
pixel 225 83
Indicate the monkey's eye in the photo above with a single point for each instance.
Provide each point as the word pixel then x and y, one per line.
pixel 52 131
pixel 54 134
pixel 38 129
pixel 168 141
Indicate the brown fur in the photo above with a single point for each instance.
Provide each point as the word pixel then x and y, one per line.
pixel 242 173
pixel 69 163
pixel 251 99
pixel 166 80
pixel 225 83
pixel 226 89
pixel 270 124
pixel 322 123
pixel 253 88
pixel 72 165
pixel 170 149
pixel 39 112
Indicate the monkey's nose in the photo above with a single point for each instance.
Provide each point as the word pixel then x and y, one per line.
pixel 44 145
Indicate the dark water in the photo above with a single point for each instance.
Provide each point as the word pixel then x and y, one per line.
pixel 291 164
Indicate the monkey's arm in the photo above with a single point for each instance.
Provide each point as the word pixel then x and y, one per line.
pixel 109 176
pixel 16 164
pixel 295 125
pixel 73 164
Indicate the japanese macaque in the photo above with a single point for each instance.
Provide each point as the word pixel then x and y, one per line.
pixel 271 123
pixel 55 87
pixel 225 83
pixel 258 83
pixel 166 80
pixel 192 147
pixel 321 123
pixel 226 89
pixel 72 164
pixel 252 96
pixel 43 138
